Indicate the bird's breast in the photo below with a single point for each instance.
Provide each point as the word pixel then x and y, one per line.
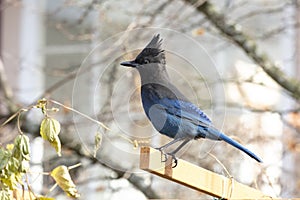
pixel 162 121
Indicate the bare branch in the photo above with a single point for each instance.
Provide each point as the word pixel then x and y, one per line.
pixel 86 11
pixel 133 178
pixel 277 30
pixel 249 46
pixel 263 11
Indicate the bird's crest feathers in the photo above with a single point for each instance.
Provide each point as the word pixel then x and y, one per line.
pixel 153 52
pixel 155 43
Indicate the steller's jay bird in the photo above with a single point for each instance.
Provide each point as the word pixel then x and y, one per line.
pixel 169 111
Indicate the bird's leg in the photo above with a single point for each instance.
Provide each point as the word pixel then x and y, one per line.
pixel 172 154
pixel 165 146
pixel 169 144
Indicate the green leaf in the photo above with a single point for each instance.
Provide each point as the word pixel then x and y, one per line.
pixel 24 166
pixel 62 177
pixel 5 195
pixel 13 165
pixel 21 154
pixel 21 148
pixel 25 147
pixel 49 131
pixel 12 181
pixel 14 162
pixel 4 158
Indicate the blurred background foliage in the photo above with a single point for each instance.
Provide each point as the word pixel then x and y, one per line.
pixel 238 60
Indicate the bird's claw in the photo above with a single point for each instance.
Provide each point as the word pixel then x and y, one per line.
pixel 164 157
pixel 163 154
pixel 173 158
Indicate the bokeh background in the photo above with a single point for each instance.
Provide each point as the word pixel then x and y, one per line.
pixel 238 60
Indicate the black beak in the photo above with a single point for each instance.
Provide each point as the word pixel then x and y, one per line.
pixel 129 63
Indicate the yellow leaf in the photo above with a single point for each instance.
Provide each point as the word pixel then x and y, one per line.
pixel 9 147
pixel 62 177
pixel 98 139
pixel 12 181
pixel 45 198
pixel 57 145
pixel 49 128
pixel 49 131
pixel 42 103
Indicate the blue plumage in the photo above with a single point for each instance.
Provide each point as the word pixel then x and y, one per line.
pixel 170 112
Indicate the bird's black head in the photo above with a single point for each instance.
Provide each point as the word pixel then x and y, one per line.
pixel 152 53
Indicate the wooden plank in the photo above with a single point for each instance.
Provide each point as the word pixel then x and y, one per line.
pixel 196 177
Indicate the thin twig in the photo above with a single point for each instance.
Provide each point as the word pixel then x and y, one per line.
pixel 223 166
pixel 29 187
pixel 74 166
pixel 262 11
pixel 250 48
pixel 79 113
pixel 15 115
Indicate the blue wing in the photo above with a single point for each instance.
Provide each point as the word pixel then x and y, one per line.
pixel 188 111
pixel 174 110
pixel 185 110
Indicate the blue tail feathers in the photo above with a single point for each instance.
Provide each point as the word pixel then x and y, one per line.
pixel 220 136
pixel 239 146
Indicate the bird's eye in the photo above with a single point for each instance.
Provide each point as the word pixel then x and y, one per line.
pixel 146 61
